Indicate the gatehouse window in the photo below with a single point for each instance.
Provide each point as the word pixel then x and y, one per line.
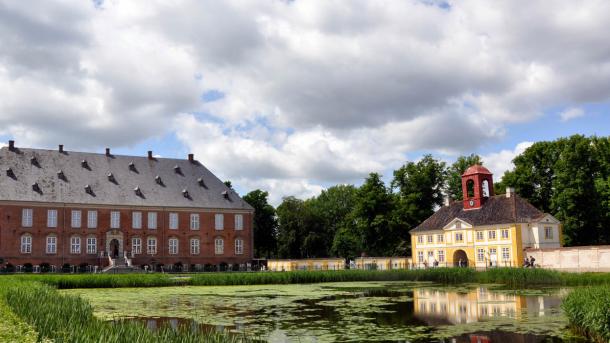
pixel 152 220
pixel 420 256
pixel 52 218
pixel 239 222
pixel 219 221
pixel 504 233
pixel 173 221
pixel 441 255
pixel 480 255
pixel 548 232
pixel 75 245
pixel 506 254
pixel 51 244
pixel 492 251
pixel 173 246
pixel 76 216
pixel 195 246
pixel 151 245
pixel 440 238
pixel 430 239
pixel 115 219
pixel 420 239
pixel 480 236
pixel 136 220
pixel 27 215
pixel 136 245
pixel 194 221
pixel 26 244
pixel 92 219
pixel 491 234
pixel 219 246
pixel 91 245
pixel 459 237
pixel 239 246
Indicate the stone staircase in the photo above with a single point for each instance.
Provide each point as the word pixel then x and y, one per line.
pixel 121 265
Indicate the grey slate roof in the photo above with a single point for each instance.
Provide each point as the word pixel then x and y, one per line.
pixel 72 188
pixel 497 209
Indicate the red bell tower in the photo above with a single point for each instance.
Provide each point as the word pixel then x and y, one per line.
pixel 477 186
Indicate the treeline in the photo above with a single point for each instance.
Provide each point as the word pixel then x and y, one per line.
pixel 569 178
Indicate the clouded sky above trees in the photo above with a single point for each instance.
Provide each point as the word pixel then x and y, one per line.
pixel 292 96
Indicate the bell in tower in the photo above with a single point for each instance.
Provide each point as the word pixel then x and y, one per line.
pixel 477 186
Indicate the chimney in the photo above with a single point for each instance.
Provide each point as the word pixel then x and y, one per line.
pixel 191 158
pixel 446 200
pixel 11 145
pixel 150 156
pixel 107 151
pixel 510 192
pixel 61 148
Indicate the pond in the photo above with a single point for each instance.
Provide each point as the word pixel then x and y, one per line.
pixel 342 312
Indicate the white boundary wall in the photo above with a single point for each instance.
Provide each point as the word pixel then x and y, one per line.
pixel 579 259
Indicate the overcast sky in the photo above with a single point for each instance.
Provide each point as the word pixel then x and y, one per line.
pixel 294 96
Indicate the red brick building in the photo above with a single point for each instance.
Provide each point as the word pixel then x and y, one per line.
pixel 60 208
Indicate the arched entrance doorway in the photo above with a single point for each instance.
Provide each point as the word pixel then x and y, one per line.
pixel 460 259
pixel 114 248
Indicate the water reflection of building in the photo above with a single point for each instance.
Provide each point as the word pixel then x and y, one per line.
pixel 438 307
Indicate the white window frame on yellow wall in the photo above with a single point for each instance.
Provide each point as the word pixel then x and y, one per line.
pixel 480 255
pixel 480 235
pixel 492 235
pixel 460 235
pixel 420 239
pixel 505 254
pixel 440 238
pixel 505 233
pixel 441 255
pixel 430 238
pixel 548 232
pixel 420 256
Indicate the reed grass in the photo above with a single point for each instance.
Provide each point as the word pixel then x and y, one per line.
pixel 588 310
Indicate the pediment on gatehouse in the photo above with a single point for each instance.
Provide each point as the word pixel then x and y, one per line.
pixel 457 224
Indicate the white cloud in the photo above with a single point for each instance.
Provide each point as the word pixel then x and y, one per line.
pixel 500 162
pixel 571 113
pixel 315 92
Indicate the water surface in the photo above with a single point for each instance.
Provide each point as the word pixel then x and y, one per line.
pixel 353 311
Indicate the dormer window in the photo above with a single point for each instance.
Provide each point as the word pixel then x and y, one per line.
pixel 88 189
pixel 225 195
pixel 10 173
pixel 158 180
pixel 111 178
pixel 185 193
pixel 138 191
pixel 177 169
pixel 36 188
pixel 34 161
pixel 61 175
pixel 84 164
pixel 200 182
pixel 132 166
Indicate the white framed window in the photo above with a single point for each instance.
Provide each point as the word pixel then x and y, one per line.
pixel 152 220
pixel 441 255
pixel 26 244
pixel 91 245
pixel 136 245
pixel 459 237
pixel 195 246
pixel 430 254
pixel 151 245
pixel 480 235
pixel 239 246
pixel 115 219
pixel 492 252
pixel 440 238
pixel 136 220
pixel 194 221
pixel 420 256
pixel 27 217
pixel 76 218
pixel 92 219
pixel 420 239
pixel 51 244
pixel 548 232
pixel 75 245
pixel 504 233
pixel 491 234
pixel 480 255
pixel 239 222
pixel 173 246
pixel 506 254
pixel 219 221
pixel 51 218
pixel 219 246
pixel 430 238
pixel 173 221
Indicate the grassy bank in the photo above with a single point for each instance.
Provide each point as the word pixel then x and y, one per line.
pixel 588 310
pixel 513 277
pixel 63 318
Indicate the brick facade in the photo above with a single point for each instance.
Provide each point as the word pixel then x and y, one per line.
pixel 11 231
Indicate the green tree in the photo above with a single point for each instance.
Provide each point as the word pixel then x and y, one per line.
pixel 265 224
pixel 454 174
pixel 291 227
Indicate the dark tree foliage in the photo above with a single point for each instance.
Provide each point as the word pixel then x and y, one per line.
pixel 291 231
pixel 265 224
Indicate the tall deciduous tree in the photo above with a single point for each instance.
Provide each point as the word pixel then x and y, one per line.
pixel 265 224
